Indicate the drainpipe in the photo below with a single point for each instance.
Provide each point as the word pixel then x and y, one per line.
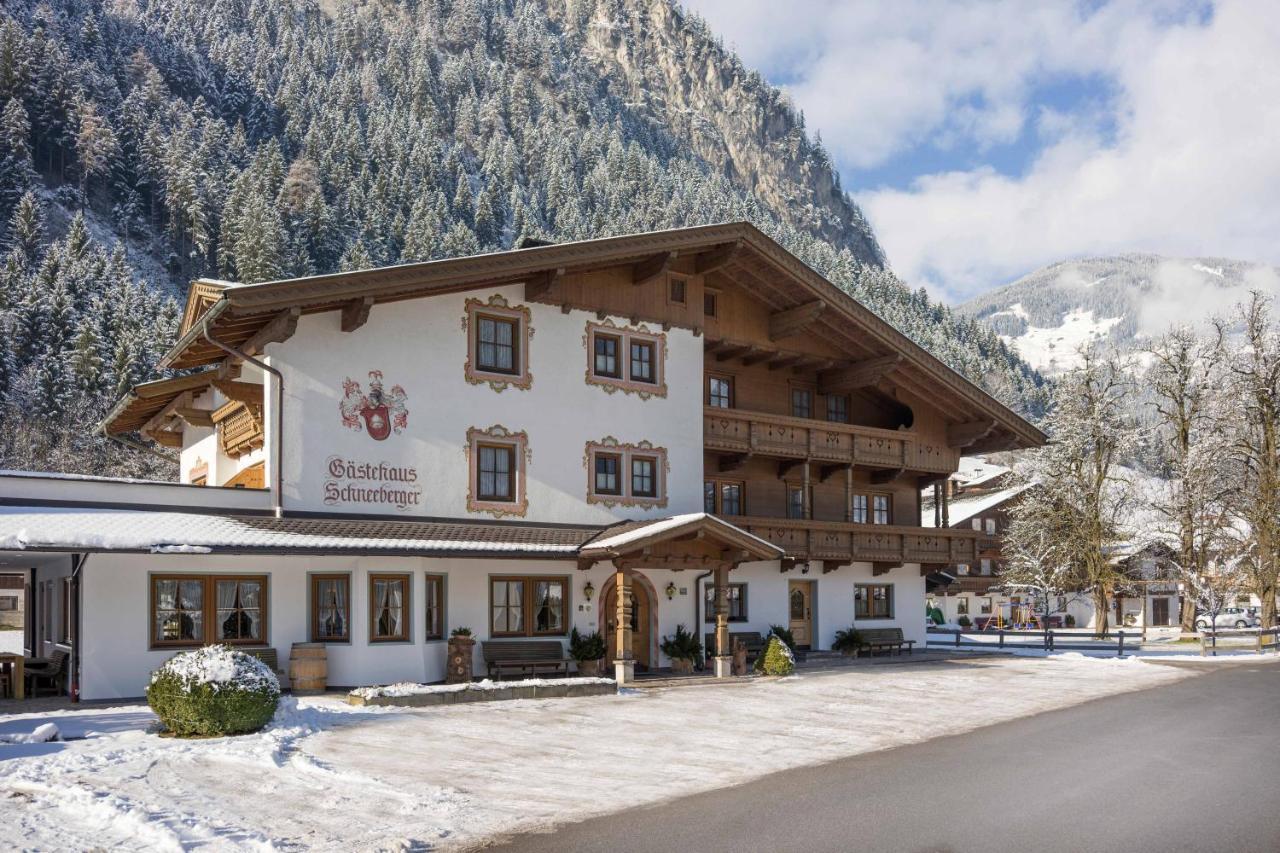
pixel 76 627
pixel 697 613
pixel 277 485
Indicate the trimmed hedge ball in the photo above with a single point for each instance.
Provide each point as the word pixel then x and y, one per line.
pixel 776 659
pixel 216 690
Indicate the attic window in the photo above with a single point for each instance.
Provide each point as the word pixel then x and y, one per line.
pixel 677 290
pixel 710 303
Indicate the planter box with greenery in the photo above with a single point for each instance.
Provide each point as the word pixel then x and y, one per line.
pixel 847 642
pixel 216 690
pixel 587 650
pixel 683 649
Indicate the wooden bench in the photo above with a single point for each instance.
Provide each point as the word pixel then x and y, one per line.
pixel 884 639
pixel 751 639
pixel 525 657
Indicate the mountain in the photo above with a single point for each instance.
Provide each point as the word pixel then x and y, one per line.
pixel 144 143
pixel 1124 300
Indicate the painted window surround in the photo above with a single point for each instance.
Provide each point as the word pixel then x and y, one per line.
pixel 625 452
pixel 519 444
pixel 498 306
pixel 623 381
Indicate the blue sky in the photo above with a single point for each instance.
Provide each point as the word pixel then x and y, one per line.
pixel 986 139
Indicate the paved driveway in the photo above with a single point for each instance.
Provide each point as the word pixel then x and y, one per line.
pixel 1187 767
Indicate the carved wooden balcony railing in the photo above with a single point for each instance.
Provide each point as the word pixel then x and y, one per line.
pixel 239 427
pixel 742 432
pixel 879 544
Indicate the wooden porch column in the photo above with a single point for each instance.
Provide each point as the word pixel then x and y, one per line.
pixel 624 667
pixel 848 493
pixel 937 504
pixel 808 510
pixel 724 655
pixel 946 502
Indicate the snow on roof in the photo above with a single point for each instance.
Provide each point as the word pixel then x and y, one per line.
pixel 974 471
pixel 84 529
pixel 639 531
pixel 963 508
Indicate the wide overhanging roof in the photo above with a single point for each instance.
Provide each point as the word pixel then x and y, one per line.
pixel 146 400
pixel 249 316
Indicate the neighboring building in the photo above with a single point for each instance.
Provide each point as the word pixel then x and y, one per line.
pixel 505 442
pixel 13 600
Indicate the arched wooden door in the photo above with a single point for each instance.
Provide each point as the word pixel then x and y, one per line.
pixel 640 638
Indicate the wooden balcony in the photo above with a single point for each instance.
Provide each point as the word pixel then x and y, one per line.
pixel 883 545
pixel 735 431
pixel 239 427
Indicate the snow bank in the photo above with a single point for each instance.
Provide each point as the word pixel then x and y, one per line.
pixel 41 734
pixel 410 688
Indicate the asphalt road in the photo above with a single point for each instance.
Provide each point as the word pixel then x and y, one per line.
pixel 1194 766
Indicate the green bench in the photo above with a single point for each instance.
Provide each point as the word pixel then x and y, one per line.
pixel 884 639
pixel 524 657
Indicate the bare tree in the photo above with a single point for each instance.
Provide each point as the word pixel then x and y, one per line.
pixel 1250 416
pixel 1038 565
pixel 1083 494
pixel 1185 378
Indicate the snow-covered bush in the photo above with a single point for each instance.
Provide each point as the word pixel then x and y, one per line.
pixel 776 659
pixel 215 690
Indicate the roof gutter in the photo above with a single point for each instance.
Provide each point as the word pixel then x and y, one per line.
pixel 277 446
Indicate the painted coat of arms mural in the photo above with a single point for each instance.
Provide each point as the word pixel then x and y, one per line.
pixel 379 412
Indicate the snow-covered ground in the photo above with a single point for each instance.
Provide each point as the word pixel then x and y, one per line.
pixel 10 642
pixel 334 777
pixel 1053 350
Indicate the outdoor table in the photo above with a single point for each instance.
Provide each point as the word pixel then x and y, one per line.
pixel 19 670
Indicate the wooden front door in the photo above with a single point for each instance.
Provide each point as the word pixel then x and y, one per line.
pixel 640 617
pixel 1159 611
pixel 800 606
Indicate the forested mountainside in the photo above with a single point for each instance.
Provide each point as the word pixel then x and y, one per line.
pixel 1123 300
pixel 144 143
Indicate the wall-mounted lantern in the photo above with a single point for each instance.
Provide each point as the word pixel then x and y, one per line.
pixel 588 590
pixel 671 590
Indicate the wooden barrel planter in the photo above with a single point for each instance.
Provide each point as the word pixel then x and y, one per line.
pixel 308 667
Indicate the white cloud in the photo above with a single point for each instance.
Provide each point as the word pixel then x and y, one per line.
pixel 1190 165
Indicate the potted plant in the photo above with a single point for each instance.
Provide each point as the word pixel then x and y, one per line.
pixel 460 632
pixel 587 651
pixel 847 642
pixel 683 649
pixel 458 664
pixel 1070 621
pixel 964 622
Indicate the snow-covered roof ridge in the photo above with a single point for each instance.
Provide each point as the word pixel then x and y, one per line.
pixel 963 508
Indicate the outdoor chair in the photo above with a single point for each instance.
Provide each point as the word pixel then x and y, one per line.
pixel 47 673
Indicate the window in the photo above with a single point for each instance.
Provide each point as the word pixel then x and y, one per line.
pixel 641 365
pixel 46 611
pixel 720 392
pixel 881 508
pixel 737 596
pixel 626 474
pixel 497 461
pixel 711 303
pixel 676 290
pixel 497 473
pixel 873 601
pixel 991 526
pixel 607 357
pixel 626 359
pixel 962 605
pixel 962 568
pixel 607 480
pixel 8 602
pixel 497 343
pixel 528 606
pixel 796 502
pixel 330 608
pixel 977 524
pixel 859 513
pixel 708 505
pixel 65 635
pixel 838 408
pixel 192 610
pixel 984 606
pixel 435 607
pixel 389 606
pixel 731 498
pixel 801 403
pixel 986 566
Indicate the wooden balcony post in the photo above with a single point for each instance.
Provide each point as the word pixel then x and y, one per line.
pixel 848 493
pixel 724 655
pixel 946 502
pixel 937 505
pixel 624 666
pixel 805 498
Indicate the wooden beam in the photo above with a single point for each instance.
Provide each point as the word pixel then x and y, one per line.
pixel 781 362
pixel 540 285
pixel 929 568
pixel 735 352
pixel 195 417
pixel 825 472
pixel 280 328
pixel 786 465
pixel 882 568
pixel 241 392
pixel 718 258
pixel 356 313
pixel 164 438
pixel 960 436
pixel 651 268
pixel 757 357
pixel 880 478
pixel 862 374
pixel 793 321
pixel 733 462
pixel 829 566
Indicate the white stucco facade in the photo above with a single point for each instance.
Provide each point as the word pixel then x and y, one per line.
pixel 422 346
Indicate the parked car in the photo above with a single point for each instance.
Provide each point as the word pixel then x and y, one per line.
pixel 1229 617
